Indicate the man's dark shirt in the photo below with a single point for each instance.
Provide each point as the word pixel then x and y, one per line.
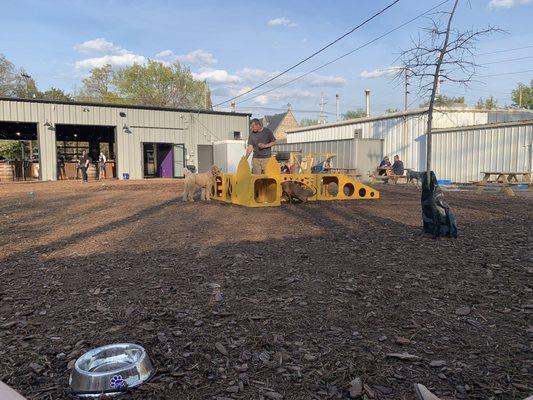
pixel 397 167
pixel 265 136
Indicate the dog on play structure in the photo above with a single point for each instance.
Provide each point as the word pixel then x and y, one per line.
pixel 204 181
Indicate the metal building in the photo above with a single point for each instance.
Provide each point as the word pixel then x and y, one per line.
pixel 404 134
pixel 142 141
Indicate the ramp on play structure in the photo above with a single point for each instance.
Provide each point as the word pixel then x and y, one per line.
pixel 249 190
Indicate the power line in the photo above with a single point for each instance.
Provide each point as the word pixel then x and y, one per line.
pixel 504 51
pixel 346 54
pixel 314 54
pixel 509 59
pixel 506 73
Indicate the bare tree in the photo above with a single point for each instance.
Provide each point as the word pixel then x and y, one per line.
pixel 445 54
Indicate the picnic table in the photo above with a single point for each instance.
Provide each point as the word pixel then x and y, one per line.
pixel 506 177
pixel 387 176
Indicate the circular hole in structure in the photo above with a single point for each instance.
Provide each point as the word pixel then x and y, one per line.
pixel 371 194
pixel 285 178
pixel 302 180
pixel 362 192
pixel 348 189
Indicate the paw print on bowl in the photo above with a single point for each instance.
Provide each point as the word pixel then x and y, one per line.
pixel 117 382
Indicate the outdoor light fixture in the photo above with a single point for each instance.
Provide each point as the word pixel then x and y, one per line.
pixel 47 124
pixel 122 114
pixel 126 129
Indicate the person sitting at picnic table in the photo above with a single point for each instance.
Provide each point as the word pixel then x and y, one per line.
pixel 327 165
pixel 384 168
pixel 397 166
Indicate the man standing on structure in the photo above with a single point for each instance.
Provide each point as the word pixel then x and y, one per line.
pixel 260 142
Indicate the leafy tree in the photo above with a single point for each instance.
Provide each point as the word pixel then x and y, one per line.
pixel 98 86
pixel 161 85
pixel 153 84
pixel 442 100
pixel 391 110
pixel 10 149
pixel 524 91
pixel 25 86
pixel 308 122
pixel 56 94
pixel 488 104
pixel 359 113
pixel 7 76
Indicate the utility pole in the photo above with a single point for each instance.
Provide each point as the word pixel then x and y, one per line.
pixel 406 89
pixel 337 107
pixel 233 106
pixel 322 117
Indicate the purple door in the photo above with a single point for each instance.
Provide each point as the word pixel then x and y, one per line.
pixel 166 161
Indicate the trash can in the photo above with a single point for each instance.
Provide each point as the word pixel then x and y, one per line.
pixel 126 176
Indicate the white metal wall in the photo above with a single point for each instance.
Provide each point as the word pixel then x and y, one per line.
pixel 461 155
pixel 404 133
pixel 137 126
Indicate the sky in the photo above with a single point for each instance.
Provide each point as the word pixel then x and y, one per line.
pixel 236 44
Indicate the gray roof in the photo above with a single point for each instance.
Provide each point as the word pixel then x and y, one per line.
pixel 122 105
pixel 273 121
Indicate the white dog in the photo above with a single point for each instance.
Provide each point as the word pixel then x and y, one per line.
pixel 203 181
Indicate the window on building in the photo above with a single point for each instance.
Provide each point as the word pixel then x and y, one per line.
pixel 236 135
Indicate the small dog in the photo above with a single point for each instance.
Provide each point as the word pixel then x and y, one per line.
pixel 203 181
pixel 412 176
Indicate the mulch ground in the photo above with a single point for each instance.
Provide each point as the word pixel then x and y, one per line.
pixel 280 303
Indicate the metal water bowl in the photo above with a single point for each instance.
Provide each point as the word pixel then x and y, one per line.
pixel 110 370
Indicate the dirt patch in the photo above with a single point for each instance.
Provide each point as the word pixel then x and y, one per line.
pixel 302 298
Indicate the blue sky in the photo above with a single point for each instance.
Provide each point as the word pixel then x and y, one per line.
pixel 236 44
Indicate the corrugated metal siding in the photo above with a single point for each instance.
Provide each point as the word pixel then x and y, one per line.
pixel 462 155
pixel 144 125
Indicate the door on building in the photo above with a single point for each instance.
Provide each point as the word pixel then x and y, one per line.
pixel 165 160
pixel 205 157
pixel 179 160
pixel 158 160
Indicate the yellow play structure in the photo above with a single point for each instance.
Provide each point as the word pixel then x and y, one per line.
pixel 249 190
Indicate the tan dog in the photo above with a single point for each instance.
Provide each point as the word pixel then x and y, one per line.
pixel 204 181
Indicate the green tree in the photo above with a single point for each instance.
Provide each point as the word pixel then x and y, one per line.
pixel 308 122
pixel 522 96
pixel 391 110
pixel 7 77
pixel 25 87
pixel 442 100
pixel 359 113
pixel 10 149
pixel 158 84
pixel 487 104
pixel 98 86
pixel 56 94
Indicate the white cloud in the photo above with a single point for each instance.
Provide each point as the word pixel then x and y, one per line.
pixel 252 75
pixel 123 60
pixel 287 94
pixel 315 80
pixel 108 53
pixel 198 57
pixel 377 73
pixel 281 22
pixel 498 4
pixel 99 46
pixel 216 76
